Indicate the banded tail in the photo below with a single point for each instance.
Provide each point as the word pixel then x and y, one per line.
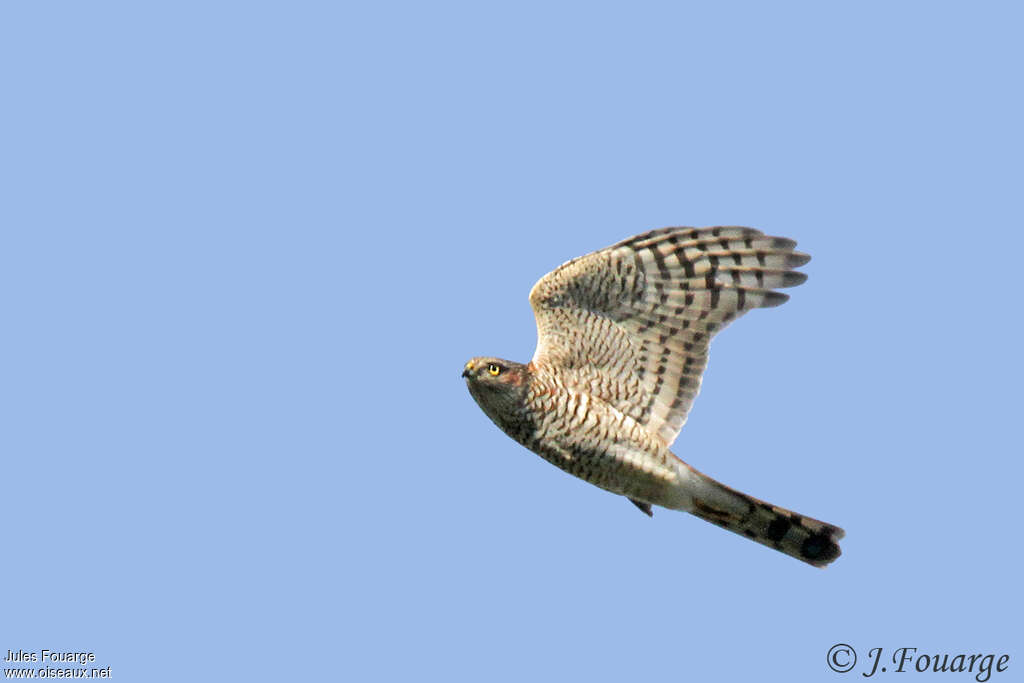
pixel 809 540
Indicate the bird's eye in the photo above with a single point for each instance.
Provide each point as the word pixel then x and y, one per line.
pixel 495 370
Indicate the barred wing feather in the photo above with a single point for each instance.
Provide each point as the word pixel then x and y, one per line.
pixel 632 322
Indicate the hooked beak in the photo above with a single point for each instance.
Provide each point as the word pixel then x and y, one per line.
pixel 465 373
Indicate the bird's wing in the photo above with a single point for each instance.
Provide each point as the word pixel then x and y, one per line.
pixel 632 322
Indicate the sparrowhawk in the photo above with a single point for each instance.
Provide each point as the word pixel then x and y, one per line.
pixel 623 337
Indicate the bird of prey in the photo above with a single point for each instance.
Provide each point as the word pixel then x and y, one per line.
pixel 623 337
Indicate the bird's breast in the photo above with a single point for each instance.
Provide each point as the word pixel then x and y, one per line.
pixel 589 438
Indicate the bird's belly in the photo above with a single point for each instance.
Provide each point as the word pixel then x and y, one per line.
pixel 604 447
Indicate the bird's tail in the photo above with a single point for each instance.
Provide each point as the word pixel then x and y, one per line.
pixel 809 540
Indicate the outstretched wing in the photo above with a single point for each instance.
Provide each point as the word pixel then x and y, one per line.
pixel 631 323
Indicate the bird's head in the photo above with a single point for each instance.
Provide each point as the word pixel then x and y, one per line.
pixel 493 371
pixel 499 386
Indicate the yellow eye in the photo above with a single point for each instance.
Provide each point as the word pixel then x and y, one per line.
pixel 494 370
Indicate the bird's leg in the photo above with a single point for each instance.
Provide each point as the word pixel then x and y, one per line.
pixel 644 507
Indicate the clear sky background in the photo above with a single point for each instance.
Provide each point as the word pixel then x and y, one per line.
pixel 247 248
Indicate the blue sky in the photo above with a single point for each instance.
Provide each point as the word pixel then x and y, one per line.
pixel 247 248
